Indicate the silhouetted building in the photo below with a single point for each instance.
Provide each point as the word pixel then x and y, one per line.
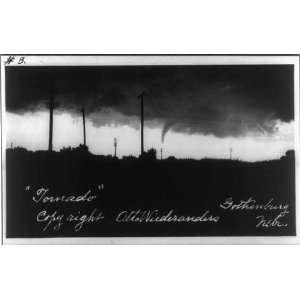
pixel 289 155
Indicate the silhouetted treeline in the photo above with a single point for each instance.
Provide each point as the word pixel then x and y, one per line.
pixel 150 155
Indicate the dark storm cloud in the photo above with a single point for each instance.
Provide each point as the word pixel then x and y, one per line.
pixel 218 100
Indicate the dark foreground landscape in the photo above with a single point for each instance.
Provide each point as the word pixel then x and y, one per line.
pixel 139 186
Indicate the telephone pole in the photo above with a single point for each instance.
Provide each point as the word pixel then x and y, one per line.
pixel 51 106
pixel 84 130
pixel 141 97
pixel 115 145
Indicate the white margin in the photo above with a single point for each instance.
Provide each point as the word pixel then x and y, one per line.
pixel 106 60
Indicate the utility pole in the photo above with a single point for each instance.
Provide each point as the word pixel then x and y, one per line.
pixel 84 131
pixel 161 153
pixel 115 145
pixel 230 153
pixel 51 106
pixel 141 97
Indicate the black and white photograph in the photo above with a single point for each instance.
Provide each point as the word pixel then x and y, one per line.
pixel 150 147
pixel 150 150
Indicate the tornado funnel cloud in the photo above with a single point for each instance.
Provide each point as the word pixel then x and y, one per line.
pixel 165 130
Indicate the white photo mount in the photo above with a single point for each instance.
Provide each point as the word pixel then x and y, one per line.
pixel 38 232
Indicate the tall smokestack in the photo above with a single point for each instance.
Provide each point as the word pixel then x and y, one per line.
pixel 51 105
pixel 141 97
pixel 84 133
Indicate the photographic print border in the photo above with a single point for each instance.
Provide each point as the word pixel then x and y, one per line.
pixel 87 60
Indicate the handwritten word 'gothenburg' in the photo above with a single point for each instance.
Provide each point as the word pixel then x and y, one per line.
pixel 263 221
